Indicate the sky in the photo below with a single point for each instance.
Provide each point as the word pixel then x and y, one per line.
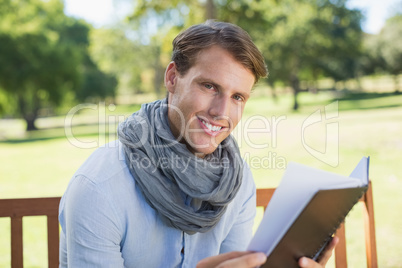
pixel 103 12
pixel 375 11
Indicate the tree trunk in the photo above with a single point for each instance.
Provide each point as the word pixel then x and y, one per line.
pixel 273 91
pixel 334 85
pixel 359 83
pixel 30 123
pixel 210 10
pixel 295 83
pixel 396 83
pixel 29 115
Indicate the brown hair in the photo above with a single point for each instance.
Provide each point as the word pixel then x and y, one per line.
pixel 188 44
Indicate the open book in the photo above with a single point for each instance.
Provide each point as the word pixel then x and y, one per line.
pixel 306 209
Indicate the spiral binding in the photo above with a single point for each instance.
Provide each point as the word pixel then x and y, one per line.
pixel 337 225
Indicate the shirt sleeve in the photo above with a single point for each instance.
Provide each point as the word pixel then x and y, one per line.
pixel 91 236
pixel 241 232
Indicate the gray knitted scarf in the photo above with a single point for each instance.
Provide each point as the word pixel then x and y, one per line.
pixel 188 192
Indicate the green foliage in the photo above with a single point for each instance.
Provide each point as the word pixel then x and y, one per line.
pixel 304 39
pixel 389 44
pixel 121 56
pixel 384 51
pixel 301 39
pixel 40 52
pixel 96 83
pixel 169 18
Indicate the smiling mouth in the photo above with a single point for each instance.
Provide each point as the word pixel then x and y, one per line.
pixel 212 128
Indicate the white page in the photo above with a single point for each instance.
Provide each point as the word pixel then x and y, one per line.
pixel 297 187
pixel 361 170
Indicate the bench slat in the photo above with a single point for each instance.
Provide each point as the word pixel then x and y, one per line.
pixel 16 243
pixel 29 207
pixel 53 241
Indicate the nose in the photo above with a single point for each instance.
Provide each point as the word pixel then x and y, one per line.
pixel 220 107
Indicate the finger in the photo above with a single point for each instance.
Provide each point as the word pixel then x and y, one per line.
pixel 214 261
pixel 305 262
pixel 328 251
pixel 246 261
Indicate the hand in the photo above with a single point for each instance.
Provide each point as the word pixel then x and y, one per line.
pixel 305 262
pixel 234 259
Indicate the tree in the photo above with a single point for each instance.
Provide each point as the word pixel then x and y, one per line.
pixel 33 70
pixel 126 58
pixel 169 17
pixel 304 39
pixel 382 52
pixel 300 39
pixel 389 47
pixel 43 55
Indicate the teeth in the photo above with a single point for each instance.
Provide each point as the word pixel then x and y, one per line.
pixel 210 127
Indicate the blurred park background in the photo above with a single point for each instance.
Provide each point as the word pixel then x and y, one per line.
pixel 65 84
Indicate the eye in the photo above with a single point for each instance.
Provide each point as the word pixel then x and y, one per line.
pixel 238 97
pixel 209 86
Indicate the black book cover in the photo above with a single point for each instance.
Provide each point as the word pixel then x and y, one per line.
pixel 314 227
pixel 305 211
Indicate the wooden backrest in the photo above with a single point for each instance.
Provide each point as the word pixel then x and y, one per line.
pixel 16 209
pixel 265 195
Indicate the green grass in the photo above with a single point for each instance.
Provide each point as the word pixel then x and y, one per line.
pixel 41 163
pixel 369 131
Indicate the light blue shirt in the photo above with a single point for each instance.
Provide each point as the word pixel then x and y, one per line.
pixel 106 221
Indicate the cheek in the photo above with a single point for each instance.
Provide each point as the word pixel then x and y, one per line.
pixel 236 114
pixel 186 113
pixel 193 105
pixel 189 107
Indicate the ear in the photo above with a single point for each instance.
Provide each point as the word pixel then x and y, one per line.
pixel 171 77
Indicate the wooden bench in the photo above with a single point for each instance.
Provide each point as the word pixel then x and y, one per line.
pixel 16 209
pixel 265 195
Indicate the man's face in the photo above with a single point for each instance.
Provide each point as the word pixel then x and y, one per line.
pixel 207 102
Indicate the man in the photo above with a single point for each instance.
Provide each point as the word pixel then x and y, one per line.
pixel 173 191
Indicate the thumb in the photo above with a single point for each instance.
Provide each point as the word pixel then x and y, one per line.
pixel 308 263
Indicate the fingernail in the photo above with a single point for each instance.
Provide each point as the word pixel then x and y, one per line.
pixel 336 239
pixel 303 261
pixel 261 257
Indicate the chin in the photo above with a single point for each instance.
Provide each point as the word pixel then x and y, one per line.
pixel 207 151
pixel 200 150
pixel 203 146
